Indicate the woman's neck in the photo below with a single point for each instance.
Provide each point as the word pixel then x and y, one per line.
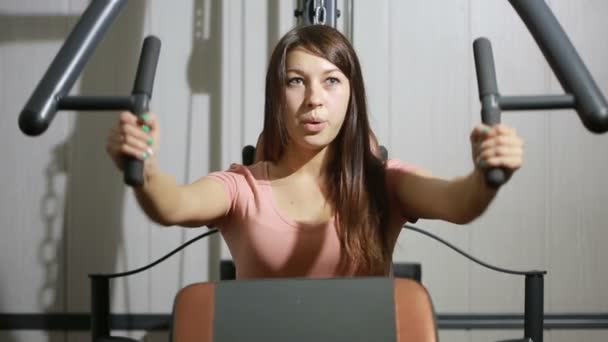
pixel 302 162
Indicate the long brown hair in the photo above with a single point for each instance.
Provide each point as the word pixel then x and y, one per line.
pixel 354 174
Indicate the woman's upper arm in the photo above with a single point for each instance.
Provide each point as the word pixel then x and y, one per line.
pixel 202 202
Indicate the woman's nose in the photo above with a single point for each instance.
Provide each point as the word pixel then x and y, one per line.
pixel 314 97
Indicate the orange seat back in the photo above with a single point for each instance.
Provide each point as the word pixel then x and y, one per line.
pixel 194 313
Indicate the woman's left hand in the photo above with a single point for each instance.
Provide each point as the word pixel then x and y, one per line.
pixel 497 146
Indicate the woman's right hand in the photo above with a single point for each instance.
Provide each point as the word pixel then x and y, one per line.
pixel 134 137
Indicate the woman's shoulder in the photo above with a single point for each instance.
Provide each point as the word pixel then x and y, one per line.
pixel 242 181
pixel 251 173
pixel 398 165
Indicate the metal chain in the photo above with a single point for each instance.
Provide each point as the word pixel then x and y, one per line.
pixel 320 13
pixel 51 247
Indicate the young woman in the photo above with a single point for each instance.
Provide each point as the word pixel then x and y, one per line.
pixel 320 202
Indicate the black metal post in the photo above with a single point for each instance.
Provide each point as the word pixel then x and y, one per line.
pixel 100 307
pixel 534 307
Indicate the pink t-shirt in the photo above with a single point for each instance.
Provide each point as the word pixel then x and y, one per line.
pixel 264 243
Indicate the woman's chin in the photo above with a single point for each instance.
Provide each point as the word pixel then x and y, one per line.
pixel 314 145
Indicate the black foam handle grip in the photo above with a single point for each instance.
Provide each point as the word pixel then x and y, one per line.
pixel 248 155
pixel 142 92
pixel 488 95
pixel 383 153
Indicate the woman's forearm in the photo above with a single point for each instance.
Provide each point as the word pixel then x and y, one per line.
pixel 159 197
pixel 471 197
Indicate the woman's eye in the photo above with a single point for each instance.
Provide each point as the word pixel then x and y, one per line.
pixel 295 81
pixel 333 80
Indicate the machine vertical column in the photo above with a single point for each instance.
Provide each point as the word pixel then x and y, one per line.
pixel 534 310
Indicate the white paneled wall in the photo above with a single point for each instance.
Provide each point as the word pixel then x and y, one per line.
pixel 64 212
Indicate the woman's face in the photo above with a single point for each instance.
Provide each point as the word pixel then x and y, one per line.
pixel 317 95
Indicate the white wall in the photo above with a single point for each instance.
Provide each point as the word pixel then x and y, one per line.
pixel 64 212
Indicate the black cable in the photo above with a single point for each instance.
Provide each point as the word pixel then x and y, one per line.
pixel 406 226
pixel 128 273
pixel 470 257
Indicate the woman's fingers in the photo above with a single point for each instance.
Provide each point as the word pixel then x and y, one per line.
pixel 479 133
pixel 501 141
pixel 135 133
pixel 128 118
pixel 136 152
pixel 499 146
pixel 132 137
pixel 511 163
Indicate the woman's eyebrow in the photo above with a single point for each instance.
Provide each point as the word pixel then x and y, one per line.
pixel 300 71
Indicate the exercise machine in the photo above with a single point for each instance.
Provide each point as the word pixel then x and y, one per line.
pixel 52 95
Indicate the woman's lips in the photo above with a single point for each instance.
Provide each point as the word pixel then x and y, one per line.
pixel 314 126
